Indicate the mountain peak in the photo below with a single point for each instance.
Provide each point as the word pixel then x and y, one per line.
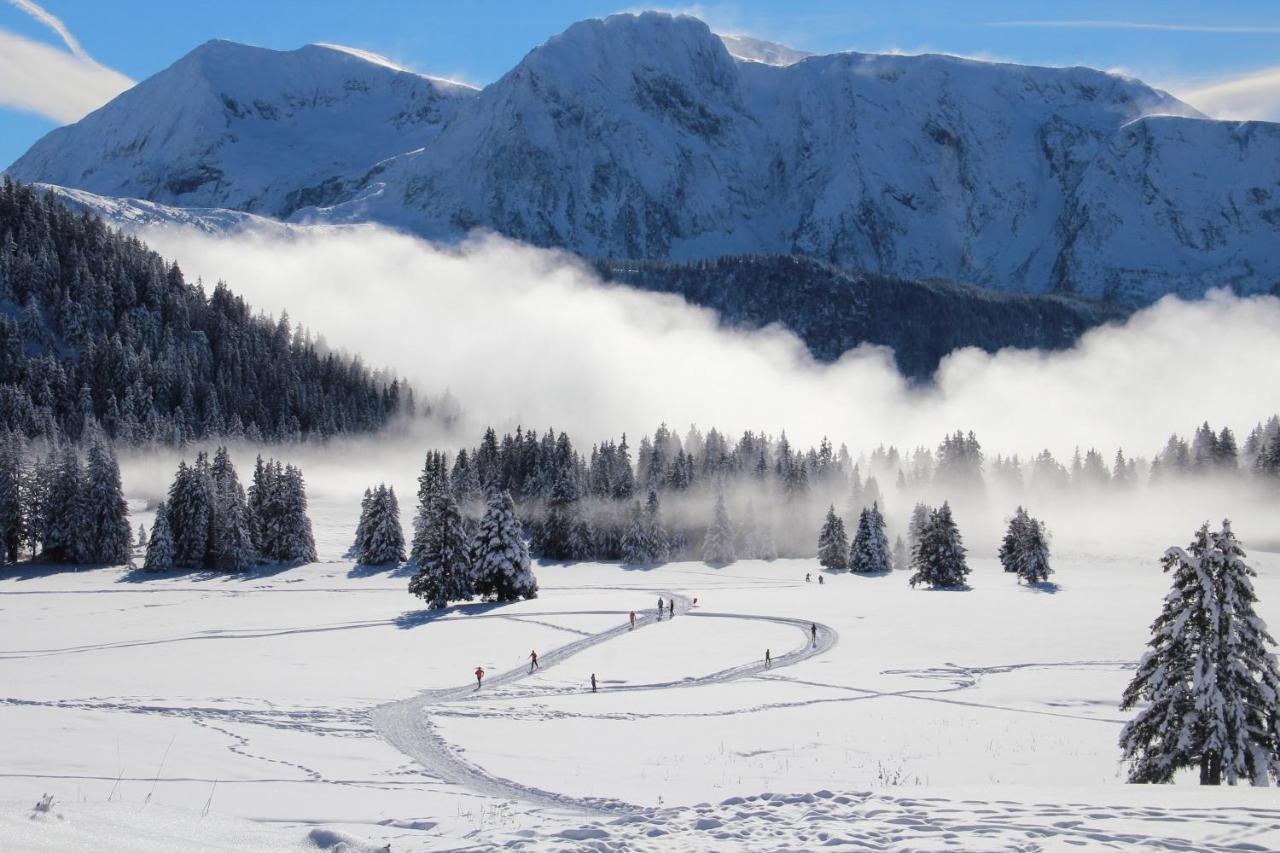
pixel 749 49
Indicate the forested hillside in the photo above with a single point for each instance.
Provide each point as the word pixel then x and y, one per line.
pixel 94 326
pixel 833 310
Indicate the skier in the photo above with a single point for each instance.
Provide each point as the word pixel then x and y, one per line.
pixel 807 579
pixel 533 661
pixel 768 659
pixel 659 608
pixel 671 608
pixel 593 682
pixel 813 631
pixel 633 620
pixel 820 580
pixel 479 676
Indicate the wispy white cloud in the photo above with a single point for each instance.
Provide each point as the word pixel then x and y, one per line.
pixel 42 79
pixel 45 80
pixel 1254 95
pixel 1245 29
pixel 54 23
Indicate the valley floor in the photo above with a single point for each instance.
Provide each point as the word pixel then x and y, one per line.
pixel 323 703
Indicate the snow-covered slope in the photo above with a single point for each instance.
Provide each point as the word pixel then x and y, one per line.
pixel 648 136
pixel 246 128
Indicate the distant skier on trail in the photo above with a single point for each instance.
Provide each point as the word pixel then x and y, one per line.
pixel 671 608
pixel 479 676
pixel 813 632
pixel 659 608
pixel 533 660
pixel 820 580
pixel 807 578
pixel 593 682
pixel 633 620
pixel 768 659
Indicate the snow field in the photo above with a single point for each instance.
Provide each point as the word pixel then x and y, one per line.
pixel 934 719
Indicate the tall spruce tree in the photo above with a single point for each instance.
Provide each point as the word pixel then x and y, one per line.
pixel 636 550
pixel 717 546
pixel 160 547
pixel 501 568
pixel 13 520
pixel 63 527
pixel 107 536
pixel 444 572
pixel 833 543
pixel 1209 680
pixel 939 557
pixel 384 540
pixel 869 553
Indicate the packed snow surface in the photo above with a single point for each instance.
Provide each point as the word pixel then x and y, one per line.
pixel 304 707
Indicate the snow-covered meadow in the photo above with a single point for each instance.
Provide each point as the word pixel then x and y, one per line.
pixel 162 710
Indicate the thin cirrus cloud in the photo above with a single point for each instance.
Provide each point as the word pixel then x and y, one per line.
pixel 1254 96
pixel 1241 29
pixel 62 85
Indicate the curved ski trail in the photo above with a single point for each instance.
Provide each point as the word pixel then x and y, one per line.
pixel 406 726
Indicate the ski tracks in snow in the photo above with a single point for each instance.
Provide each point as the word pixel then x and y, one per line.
pixel 406 724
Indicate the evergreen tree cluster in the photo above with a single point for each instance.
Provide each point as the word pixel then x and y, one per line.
pixel 379 535
pixel 59 509
pixel 1025 548
pixel 464 547
pixel 97 331
pixel 834 310
pixel 1209 681
pixel 939 557
pixel 210 522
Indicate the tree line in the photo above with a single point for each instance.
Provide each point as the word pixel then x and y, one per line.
pixel 99 334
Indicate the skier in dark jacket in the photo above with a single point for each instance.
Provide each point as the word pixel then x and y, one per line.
pixel 660 609
pixel 593 682
pixel 768 659
pixel 533 660
pixel 671 608
pixel 813 632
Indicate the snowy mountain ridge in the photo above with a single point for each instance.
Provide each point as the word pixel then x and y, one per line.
pixel 649 137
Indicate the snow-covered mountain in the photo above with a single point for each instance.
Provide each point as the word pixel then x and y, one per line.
pixel 239 127
pixel 647 136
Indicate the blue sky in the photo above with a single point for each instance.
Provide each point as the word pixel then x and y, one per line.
pixel 1223 57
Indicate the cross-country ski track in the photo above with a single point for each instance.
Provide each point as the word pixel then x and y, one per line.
pixel 406 724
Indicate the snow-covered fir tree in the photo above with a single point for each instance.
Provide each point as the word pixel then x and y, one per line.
pixel 294 540
pixel 916 525
pixel 1024 549
pixel 444 570
pixel 655 530
pixel 833 543
pixel 231 547
pixel 431 481
pixel 717 545
pixel 1209 681
pixel 64 520
pixel 107 536
pixel 160 551
pixel 13 516
pixel 363 526
pixel 636 547
pixel 870 550
pixel 383 539
pixel 901 558
pixel 500 568
pixel 188 513
pixel 939 559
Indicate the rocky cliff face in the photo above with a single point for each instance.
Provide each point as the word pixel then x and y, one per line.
pixel 644 137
